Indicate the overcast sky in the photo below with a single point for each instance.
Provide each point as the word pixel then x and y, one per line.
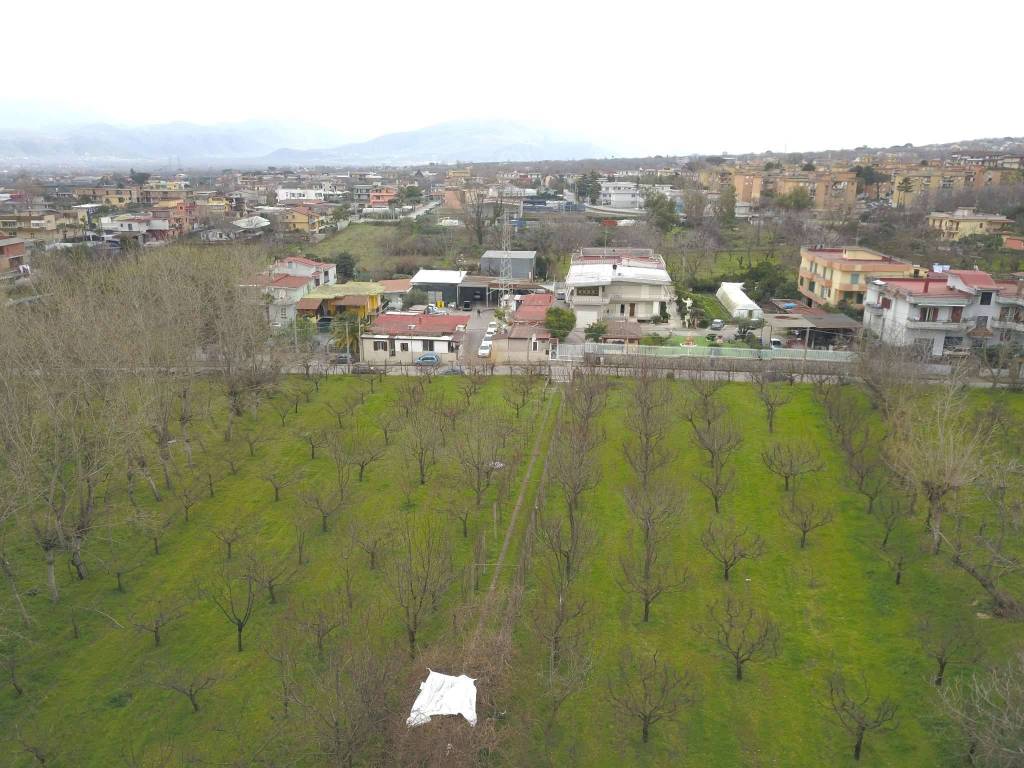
pixel 635 77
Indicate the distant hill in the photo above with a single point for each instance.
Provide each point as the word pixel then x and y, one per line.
pixel 469 141
pixel 101 143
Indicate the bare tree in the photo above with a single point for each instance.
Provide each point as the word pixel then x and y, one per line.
pixel 372 539
pixel 730 544
pixel 269 572
pixel 791 461
pixel 741 631
pixel 948 642
pixel 989 708
pixel 326 503
pixel 228 535
pixel 421 441
pixel 364 448
pixel 771 393
pixel 720 438
pixel 419 572
pixel 280 479
pixel 805 515
pixel 648 419
pixel 939 448
pixel 189 684
pixel 253 438
pixel 477 454
pixel 855 713
pixel 157 619
pixel 655 511
pixel 649 690
pixel 235 597
pixel 890 512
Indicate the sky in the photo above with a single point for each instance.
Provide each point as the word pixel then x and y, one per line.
pixel 637 77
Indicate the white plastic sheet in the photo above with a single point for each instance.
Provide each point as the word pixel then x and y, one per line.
pixel 444 695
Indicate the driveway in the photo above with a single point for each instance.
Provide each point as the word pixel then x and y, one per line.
pixel 475 333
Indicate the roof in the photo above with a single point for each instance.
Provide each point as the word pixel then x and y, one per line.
pixel 415 324
pixel 622 329
pixel 308 303
pixel 636 257
pixel 438 276
pixel 933 285
pixel 288 281
pixel 10 241
pixel 355 300
pixel 974 278
pixel 969 214
pixel 337 290
pixel 604 274
pixel 307 262
pixel 849 255
pixel 833 321
pixel 251 222
pixel 509 254
pixel 396 286
pixel 533 308
pixel 527 331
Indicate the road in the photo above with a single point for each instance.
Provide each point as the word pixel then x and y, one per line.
pixel 475 334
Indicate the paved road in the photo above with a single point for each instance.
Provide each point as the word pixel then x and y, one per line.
pixel 475 334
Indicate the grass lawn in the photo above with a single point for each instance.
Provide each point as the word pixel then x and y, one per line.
pixel 89 699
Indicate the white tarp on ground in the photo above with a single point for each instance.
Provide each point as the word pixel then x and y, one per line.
pixel 444 695
pixel 737 303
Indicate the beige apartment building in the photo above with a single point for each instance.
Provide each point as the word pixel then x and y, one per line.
pixel 829 276
pixel 964 222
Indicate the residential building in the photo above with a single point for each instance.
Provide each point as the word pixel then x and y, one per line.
pixel 400 337
pixel 394 292
pixel 320 272
pixel 380 197
pixel 301 219
pixel 749 184
pixel 143 228
pixel 525 339
pixel 114 197
pixel 625 195
pixel 618 283
pixel 440 285
pixel 828 190
pixel 179 213
pixel 921 184
pixel 940 312
pixel 284 292
pixel 964 222
pixel 523 264
pixel 12 254
pixel 322 191
pixel 841 274
pixel 362 299
pixel 160 190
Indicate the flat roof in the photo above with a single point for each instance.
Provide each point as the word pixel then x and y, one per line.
pixel 510 254
pixel 439 276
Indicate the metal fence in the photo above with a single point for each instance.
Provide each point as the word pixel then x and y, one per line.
pixel 579 351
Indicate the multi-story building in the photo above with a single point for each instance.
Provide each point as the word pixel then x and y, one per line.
pixel 618 283
pixel 159 190
pixel 749 184
pixel 115 197
pixel 940 312
pixel 381 196
pixel 829 276
pixel 140 227
pixel 964 222
pixel 625 195
pixel 828 190
pixel 921 184
pixel 179 213
pixel 303 219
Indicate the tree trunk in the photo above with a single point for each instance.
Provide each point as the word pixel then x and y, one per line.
pixel 156 545
pixel 803 539
pixel 941 671
pixel 725 571
pixel 193 701
pixel 739 669
pixel 51 575
pixel 858 744
pixel 156 635
pixel 647 610
pixel 411 634
pixel 646 730
pixel 240 628
pixel 120 584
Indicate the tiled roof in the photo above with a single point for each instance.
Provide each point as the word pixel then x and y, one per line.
pixel 406 324
pixel 975 278
pixel 396 286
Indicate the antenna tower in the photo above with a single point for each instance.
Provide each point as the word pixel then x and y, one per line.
pixel 505 277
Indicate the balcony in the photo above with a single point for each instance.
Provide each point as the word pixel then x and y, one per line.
pixel 1007 325
pixel 949 326
pixel 588 301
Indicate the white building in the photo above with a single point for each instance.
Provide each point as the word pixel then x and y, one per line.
pixel 401 337
pixel 945 311
pixel 316 191
pixel 621 194
pixel 618 284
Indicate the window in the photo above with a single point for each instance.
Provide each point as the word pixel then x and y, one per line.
pixel 986 298
pixel 284 313
pixel 403 347
pixel 929 314
pixel 588 291
pixel 622 309
pixel 428 346
pixel 854 278
pixel 886 303
pixel 981 323
pixel 956 314
pixel 380 346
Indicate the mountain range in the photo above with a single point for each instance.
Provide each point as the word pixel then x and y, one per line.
pixel 256 143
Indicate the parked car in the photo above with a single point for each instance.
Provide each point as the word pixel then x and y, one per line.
pixel 428 358
pixel 717 325
pixel 342 358
pixel 466 305
pixel 485 349
pixel 432 310
pixel 777 343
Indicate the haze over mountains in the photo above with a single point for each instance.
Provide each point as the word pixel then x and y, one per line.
pixel 260 143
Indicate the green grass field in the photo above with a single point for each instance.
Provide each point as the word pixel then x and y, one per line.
pixel 94 698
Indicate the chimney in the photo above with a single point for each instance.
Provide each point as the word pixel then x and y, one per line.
pixel 926 281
